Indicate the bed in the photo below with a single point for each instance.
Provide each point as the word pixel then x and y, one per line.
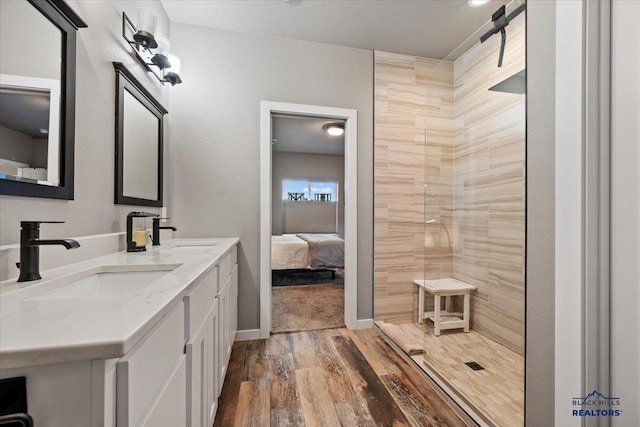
pixel 289 252
pixel 306 251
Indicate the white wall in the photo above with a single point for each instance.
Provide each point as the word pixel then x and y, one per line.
pixel 215 133
pixel 298 166
pixel 625 210
pixel 92 211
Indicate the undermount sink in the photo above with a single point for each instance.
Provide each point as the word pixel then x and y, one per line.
pixel 194 247
pixel 195 243
pixel 107 280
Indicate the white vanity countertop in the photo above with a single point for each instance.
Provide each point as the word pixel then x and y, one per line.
pixel 76 325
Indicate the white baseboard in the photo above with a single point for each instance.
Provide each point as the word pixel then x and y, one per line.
pixel 363 324
pixel 248 335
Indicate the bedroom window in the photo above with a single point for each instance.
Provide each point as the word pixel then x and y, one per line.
pixel 306 190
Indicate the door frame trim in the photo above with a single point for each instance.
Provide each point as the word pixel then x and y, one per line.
pixel 267 108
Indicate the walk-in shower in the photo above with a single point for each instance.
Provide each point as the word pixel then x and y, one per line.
pixel 450 215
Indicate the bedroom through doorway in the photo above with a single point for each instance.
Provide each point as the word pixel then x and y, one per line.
pixel 308 227
pixel 307 214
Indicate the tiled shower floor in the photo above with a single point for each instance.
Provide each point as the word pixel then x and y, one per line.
pixel 495 394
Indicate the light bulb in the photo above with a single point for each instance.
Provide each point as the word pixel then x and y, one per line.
pixel 476 3
pixel 335 130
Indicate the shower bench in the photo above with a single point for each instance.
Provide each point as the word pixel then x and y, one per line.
pixel 444 288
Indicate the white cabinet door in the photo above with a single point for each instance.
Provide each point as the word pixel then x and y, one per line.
pixel 223 330
pixel 234 304
pixel 227 321
pixel 202 371
pixel 170 409
pixel 197 372
pixel 142 373
pixel 213 383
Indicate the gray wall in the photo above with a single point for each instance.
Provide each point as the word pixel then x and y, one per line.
pixel 309 217
pixel 540 270
pixel 16 146
pixel 298 166
pixel 92 211
pixel 39 152
pixel 215 134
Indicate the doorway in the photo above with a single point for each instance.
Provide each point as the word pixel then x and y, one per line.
pixel 277 222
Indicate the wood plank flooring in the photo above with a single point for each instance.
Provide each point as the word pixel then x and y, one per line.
pixel 495 393
pixel 332 377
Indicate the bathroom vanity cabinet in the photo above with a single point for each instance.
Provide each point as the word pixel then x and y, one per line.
pixel 211 328
pixel 170 376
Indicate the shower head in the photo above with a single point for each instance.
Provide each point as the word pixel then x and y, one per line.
pixel 500 20
pixel 514 84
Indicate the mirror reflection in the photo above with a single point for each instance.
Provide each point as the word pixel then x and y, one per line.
pixel 140 161
pixel 30 87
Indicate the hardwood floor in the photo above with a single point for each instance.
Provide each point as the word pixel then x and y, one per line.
pixel 332 377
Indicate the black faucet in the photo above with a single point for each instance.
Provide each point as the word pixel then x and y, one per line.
pixel 131 245
pixel 30 243
pixel 155 238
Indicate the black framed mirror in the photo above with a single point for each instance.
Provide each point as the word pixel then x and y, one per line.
pixel 37 98
pixel 139 139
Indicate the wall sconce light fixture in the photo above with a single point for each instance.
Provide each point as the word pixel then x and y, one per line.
pixel 150 49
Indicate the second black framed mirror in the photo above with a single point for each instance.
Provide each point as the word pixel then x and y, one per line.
pixel 139 139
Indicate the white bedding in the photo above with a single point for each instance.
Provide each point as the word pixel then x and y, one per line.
pixel 289 251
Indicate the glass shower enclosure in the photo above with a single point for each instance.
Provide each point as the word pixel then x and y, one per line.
pixel 473 288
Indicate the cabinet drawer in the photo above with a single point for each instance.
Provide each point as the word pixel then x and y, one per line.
pixel 226 264
pixel 170 408
pixel 143 371
pixel 198 302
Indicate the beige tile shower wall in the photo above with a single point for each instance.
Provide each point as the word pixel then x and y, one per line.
pixel 408 90
pixel 489 194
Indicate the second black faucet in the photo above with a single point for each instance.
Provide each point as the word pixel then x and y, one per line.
pixel 155 238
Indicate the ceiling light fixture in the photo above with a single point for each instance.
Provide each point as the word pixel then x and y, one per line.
pixel 476 3
pixel 334 129
pixel 151 49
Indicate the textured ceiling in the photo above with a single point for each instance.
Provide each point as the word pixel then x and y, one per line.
pixel 427 28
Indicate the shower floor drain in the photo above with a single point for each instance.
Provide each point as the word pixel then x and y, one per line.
pixel 474 365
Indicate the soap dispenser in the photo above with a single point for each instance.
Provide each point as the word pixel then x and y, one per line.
pixel 137 231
